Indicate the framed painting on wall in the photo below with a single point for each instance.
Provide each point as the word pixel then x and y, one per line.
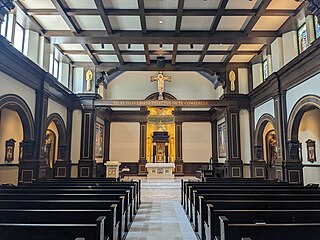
pixel 311 150
pixel 99 140
pixel 303 38
pixel 222 141
pixel 317 26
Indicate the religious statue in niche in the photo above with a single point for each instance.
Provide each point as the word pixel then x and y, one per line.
pixel 50 147
pixel 311 150
pixel 9 157
pixel 99 141
pixel 89 78
pixel 222 140
pixel 160 78
pixel 271 142
pixel 232 79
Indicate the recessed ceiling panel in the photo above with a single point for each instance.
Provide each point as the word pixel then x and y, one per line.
pixel 52 22
pixel 125 22
pixel 243 4
pixel 108 58
pixel 250 47
pixel 269 23
pixel 81 4
pixel 201 4
pixel 106 47
pixel 232 23
pixel 196 23
pixel 161 22
pixel 120 4
pixel 188 47
pixel 70 47
pixel 37 4
pixel 134 58
pixel 161 4
pixel 220 47
pixel 284 4
pixel 156 47
pixel 241 58
pixel 214 58
pixel 79 58
pixel 187 58
pixel 87 22
pixel 154 57
pixel 131 47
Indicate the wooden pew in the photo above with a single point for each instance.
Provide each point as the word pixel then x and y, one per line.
pixel 71 204
pixel 57 216
pixel 283 231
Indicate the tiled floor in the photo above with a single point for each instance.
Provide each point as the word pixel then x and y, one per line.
pixel 161 216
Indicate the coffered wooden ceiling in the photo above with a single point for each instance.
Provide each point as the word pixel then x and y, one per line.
pixel 190 34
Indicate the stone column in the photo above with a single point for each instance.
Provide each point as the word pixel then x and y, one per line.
pixel 233 165
pixel 142 153
pixel 179 160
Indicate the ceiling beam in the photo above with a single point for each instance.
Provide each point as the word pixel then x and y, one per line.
pixel 103 16
pixel 220 13
pixel 117 51
pixel 174 54
pixel 142 16
pixel 146 51
pixel 91 56
pixel 203 53
pixel 179 16
pixel 230 56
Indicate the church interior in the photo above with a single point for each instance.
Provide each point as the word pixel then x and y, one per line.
pixel 167 111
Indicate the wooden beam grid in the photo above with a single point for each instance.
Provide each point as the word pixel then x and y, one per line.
pixel 142 16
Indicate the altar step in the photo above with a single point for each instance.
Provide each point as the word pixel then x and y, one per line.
pixel 160 184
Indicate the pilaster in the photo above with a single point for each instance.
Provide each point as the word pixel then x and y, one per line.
pixel 179 160
pixel 142 152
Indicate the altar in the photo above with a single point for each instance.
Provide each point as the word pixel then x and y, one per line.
pixel 160 170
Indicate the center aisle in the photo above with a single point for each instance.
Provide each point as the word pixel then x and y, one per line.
pixel 161 215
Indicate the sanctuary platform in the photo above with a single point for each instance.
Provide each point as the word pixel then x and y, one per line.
pixel 160 170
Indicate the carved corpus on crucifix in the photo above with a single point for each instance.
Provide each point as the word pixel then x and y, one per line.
pixel 160 79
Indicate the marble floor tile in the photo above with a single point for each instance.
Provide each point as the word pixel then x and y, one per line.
pixel 161 215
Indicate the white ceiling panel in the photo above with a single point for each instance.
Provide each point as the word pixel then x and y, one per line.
pixel 87 22
pixel 37 4
pixel 81 4
pixel 134 58
pixel 70 47
pixel 79 58
pixel 52 22
pixel 233 23
pixel 108 58
pixel 121 4
pixel 187 47
pixel 156 47
pixel 250 47
pixel 187 58
pixel 98 47
pixel 161 22
pixel 196 23
pixel 269 23
pixel 243 4
pixel 214 58
pixel 241 58
pixel 220 47
pixel 125 22
pixel 201 4
pixel 161 4
pixel 154 57
pixel 133 47
pixel 284 4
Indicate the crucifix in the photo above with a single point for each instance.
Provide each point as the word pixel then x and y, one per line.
pixel 160 79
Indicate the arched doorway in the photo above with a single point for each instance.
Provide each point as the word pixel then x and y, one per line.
pixel 55 143
pixel 304 133
pixel 266 144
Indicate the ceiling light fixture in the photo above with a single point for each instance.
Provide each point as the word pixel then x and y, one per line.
pixel 102 46
pixel 191 46
pixel 160 21
pixel 160 46
pixel 129 46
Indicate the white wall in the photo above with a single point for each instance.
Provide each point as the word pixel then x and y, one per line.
pixel 76 136
pixel 78 80
pixel 310 129
pixel 54 107
pixel 267 107
pixel 243 80
pixel 183 86
pixel 9 174
pixel 31 44
pixel 12 86
pixel 311 86
pixel 10 127
pixel 277 54
pixel 257 74
pixel 245 136
pixel 64 73
pixel 290 46
pixel 196 142
pixel 124 142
